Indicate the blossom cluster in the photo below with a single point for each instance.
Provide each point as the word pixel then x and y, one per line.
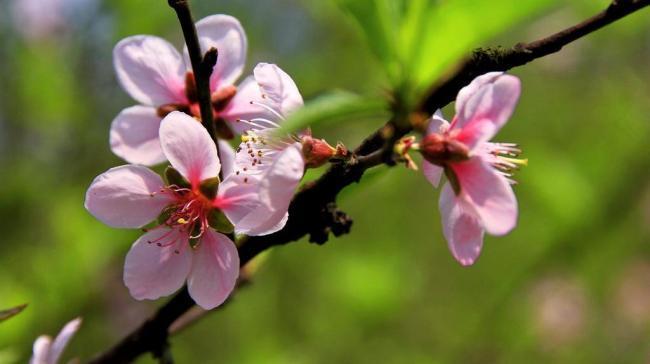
pixel 210 193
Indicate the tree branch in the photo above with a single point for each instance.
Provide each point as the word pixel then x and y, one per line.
pixel 313 210
pixel 201 65
pixel 485 60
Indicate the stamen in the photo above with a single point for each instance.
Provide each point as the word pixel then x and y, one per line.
pixel 269 108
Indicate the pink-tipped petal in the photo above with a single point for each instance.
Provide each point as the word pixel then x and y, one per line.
pixel 485 105
pixel 489 194
pixel 150 69
pixel 41 350
pixel 276 189
pixel 188 147
pixel 464 104
pixel 214 270
pixel 259 205
pixel 157 264
pixel 240 110
pixel 227 158
pixel 126 196
pixel 461 227
pixel 278 88
pixel 432 172
pixel 134 136
pixel 62 339
pixel 281 179
pixel 226 34
pixel 437 124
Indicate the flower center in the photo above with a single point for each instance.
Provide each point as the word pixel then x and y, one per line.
pixel 189 212
pixel 441 149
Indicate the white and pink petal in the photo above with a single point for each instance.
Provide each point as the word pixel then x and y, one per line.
pixel 244 110
pixel 437 123
pixel 226 34
pixel 134 136
pixel 150 69
pixel 126 196
pixel 215 270
pixel 490 195
pixel 432 172
pixel 157 264
pixel 278 88
pixel 461 227
pixel 62 339
pixel 189 148
pixel 484 106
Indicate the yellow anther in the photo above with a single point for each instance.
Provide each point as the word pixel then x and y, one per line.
pixel 519 162
pixel 181 221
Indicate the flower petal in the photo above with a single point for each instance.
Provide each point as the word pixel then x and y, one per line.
pixel 489 194
pixel 134 136
pixel 240 111
pixel 150 69
pixel 437 124
pixel 259 205
pixel 126 196
pixel 432 172
pixel 188 147
pixel 278 88
pixel 41 350
pixel 485 105
pixel 214 271
pixel 62 339
pixel 152 271
pixel 281 179
pixel 227 158
pixel 227 35
pixel 461 227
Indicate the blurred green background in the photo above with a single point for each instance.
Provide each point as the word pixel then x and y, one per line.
pixel 570 285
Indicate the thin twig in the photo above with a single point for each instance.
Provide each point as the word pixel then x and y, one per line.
pixel 201 65
pixel 313 211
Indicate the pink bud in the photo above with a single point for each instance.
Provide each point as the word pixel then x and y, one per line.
pixel 316 151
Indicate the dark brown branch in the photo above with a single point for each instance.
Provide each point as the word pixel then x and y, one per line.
pixel 313 210
pixel 201 65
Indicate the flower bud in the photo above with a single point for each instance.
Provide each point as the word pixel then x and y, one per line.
pixel 440 149
pixel 316 151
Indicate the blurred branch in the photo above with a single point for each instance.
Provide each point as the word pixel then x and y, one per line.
pixel 313 210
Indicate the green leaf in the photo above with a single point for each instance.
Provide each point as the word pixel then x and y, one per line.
pixel 332 107
pixel 11 312
pixel 418 40
pixel 377 20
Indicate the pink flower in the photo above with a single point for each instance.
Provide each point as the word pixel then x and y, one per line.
pixel 186 246
pixel 154 73
pixel 478 197
pixel 263 147
pixel 47 351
